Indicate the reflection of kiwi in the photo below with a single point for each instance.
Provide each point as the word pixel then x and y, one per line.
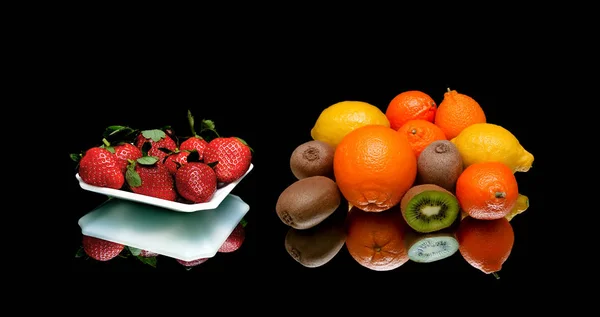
pixel 316 246
pixel 430 247
pixel 440 164
pixel 313 158
pixel 429 208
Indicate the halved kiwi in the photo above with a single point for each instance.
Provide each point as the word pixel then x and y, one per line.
pixel 429 208
pixel 430 247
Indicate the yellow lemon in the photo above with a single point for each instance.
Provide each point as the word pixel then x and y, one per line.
pixel 521 205
pixel 343 117
pixel 486 142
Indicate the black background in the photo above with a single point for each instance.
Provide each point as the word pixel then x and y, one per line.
pixel 273 106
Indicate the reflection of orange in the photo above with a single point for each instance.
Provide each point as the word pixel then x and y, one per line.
pixel 456 112
pixel 410 105
pixel 485 244
pixel 420 133
pixel 487 190
pixel 374 166
pixel 376 240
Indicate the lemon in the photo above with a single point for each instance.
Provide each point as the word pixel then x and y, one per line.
pixel 486 142
pixel 343 117
pixel 521 205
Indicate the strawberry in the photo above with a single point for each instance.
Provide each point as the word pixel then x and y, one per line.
pixel 146 177
pixel 147 254
pixel 195 142
pixel 233 157
pixel 196 182
pixel 125 152
pixel 235 239
pixel 101 250
pixel 175 160
pixel 192 263
pixel 100 167
pixel 158 140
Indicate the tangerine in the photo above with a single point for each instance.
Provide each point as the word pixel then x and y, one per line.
pixel 420 133
pixel 456 112
pixel 410 105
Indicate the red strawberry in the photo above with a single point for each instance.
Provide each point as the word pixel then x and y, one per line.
pixel 101 250
pixel 233 156
pixel 175 160
pixel 158 139
pixel 147 254
pixel 194 143
pixel 125 152
pixel 151 180
pixel 192 263
pixel 196 182
pixel 235 239
pixel 99 167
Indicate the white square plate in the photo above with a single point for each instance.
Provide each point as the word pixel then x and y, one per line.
pixel 184 236
pixel 217 198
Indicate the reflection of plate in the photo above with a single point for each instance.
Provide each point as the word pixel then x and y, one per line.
pixel 184 236
pixel 217 198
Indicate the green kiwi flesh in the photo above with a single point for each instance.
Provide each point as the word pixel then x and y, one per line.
pixel 431 247
pixel 431 210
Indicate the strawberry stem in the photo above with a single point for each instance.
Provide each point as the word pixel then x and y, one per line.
pixel 105 141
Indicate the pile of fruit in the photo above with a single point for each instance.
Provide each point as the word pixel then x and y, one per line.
pixel 421 181
pixel 159 163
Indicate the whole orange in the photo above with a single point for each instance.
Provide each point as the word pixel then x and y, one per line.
pixel 420 133
pixel 456 112
pixel 374 166
pixel 376 240
pixel 487 190
pixel 410 105
pixel 485 244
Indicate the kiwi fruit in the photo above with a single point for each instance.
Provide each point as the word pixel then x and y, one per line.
pixel 429 208
pixel 313 158
pixel 440 163
pixel 317 246
pixel 430 247
pixel 308 201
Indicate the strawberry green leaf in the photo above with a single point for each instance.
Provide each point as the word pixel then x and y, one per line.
pixel 110 149
pixel 243 222
pixel 132 177
pixel 150 261
pixel 146 147
pixel 191 122
pixel 75 157
pixel 212 164
pixel 80 253
pixel 194 156
pixel 156 134
pixel 208 124
pixel 147 160
pixel 134 251
pixel 114 129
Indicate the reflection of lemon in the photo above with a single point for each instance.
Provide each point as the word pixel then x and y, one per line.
pixel 339 119
pixel 486 142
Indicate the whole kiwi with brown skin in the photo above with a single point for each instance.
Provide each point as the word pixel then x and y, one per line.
pixel 312 158
pixel 440 164
pixel 317 246
pixel 308 202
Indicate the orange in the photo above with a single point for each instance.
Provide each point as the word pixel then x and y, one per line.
pixel 456 112
pixel 410 105
pixel 485 244
pixel 376 240
pixel 420 133
pixel 374 166
pixel 487 190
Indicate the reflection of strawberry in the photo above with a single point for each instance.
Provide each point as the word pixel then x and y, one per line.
pixel 147 254
pixel 196 182
pixel 99 167
pixel 125 152
pixel 158 139
pixel 175 160
pixel 235 239
pixel 192 263
pixel 151 179
pixel 101 250
pixel 232 155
